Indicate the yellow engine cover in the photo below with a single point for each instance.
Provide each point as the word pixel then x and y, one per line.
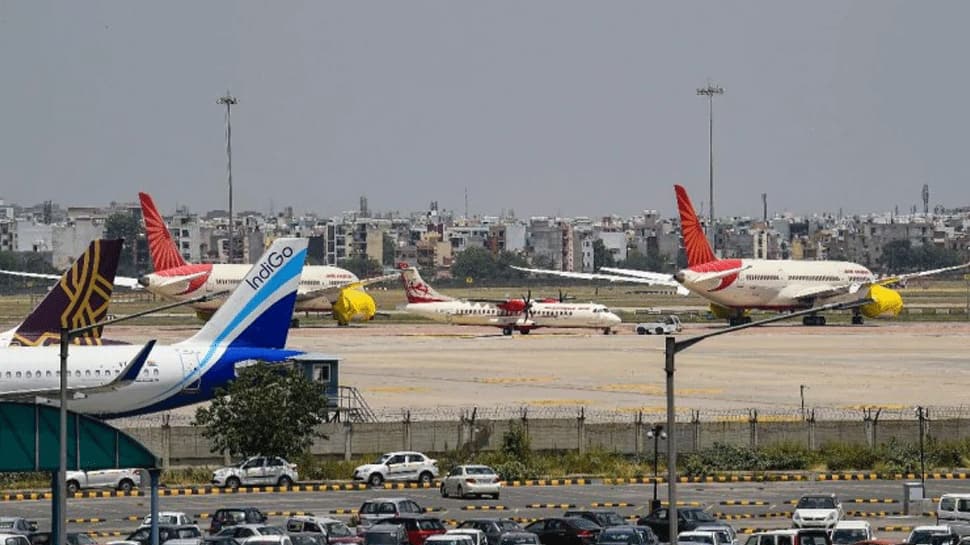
pixel 885 301
pixel 353 303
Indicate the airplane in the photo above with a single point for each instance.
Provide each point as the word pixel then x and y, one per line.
pixel 252 325
pixel 322 289
pixel 79 298
pixel 736 286
pixel 522 315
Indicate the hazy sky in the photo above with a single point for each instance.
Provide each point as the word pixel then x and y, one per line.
pixel 544 106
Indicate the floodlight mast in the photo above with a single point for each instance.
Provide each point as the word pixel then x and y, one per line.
pixel 709 92
pixel 229 101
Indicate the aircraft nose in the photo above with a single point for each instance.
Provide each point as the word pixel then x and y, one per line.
pixel 680 276
pixel 144 280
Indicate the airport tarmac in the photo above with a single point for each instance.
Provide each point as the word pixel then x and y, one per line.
pixel 437 367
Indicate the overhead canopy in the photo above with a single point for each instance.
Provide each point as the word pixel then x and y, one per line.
pixel 29 441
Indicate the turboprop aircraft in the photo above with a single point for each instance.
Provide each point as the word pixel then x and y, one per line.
pixel 736 286
pixel 252 325
pixel 522 315
pixel 322 289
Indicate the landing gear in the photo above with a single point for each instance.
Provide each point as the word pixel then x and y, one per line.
pixel 607 330
pixel 813 319
pixel 739 320
pixel 525 331
pixel 857 319
pixel 506 331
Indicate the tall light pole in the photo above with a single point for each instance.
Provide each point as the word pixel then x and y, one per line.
pixel 709 92
pixel 656 432
pixel 922 413
pixel 229 101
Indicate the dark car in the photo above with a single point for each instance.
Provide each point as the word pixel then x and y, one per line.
pixel 626 535
pixel 418 528
pixel 519 538
pixel 308 538
pixel 386 534
pixel 603 517
pixel 73 538
pixel 494 528
pixel 143 535
pixel 565 531
pixel 649 538
pixel 235 515
pixel 688 518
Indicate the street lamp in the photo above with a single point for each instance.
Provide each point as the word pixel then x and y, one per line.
pixel 671 348
pixel 709 92
pixel 656 432
pixel 229 101
pixel 801 393
pixel 922 413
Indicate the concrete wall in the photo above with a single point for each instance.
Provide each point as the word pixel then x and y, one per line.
pixel 184 445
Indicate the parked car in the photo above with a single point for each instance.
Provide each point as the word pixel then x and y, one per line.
pixel 386 534
pixel 73 538
pixel 257 470
pixel 930 535
pixel 169 518
pixel 310 538
pixel 449 539
pixel 649 538
pixel 232 516
pixel 471 480
pixel 242 532
pixel 847 532
pixel 817 511
pixel 688 518
pixel 219 540
pixel 666 325
pixel 418 527
pixel 333 530
pixel 17 526
pixel 398 466
pixel 519 538
pixel 281 539
pixel 953 507
pixel 565 531
pixel 378 509
pixel 477 536
pixel 603 517
pixel 494 528
pixel 124 480
pixel 705 537
pixel 794 536
pixel 623 535
pixel 726 531
pixel 143 535
pixel 13 539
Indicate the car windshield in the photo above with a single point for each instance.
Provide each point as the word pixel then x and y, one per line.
pixel 429 524
pixel 610 519
pixel 519 539
pixel 698 515
pixel 449 541
pixel 271 531
pixel 188 533
pixel 509 526
pixel 308 539
pixel 698 538
pixel 618 536
pixel 848 535
pixel 584 524
pixel 383 459
pixel 816 502
pixel 338 529
pixel 921 537
pixel 479 470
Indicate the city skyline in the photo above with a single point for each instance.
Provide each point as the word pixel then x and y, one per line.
pixel 547 108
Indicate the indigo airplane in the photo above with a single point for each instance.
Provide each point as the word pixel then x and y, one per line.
pixel 125 380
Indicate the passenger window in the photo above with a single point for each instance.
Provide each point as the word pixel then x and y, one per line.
pixel 386 509
pixel 784 540
pixel 963 506
pixel 947 504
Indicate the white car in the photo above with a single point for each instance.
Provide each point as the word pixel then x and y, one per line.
pixel 398 466
pixel 707 537
pixel 449 539
pixel 923 535
pixel 471 480
pixel 847 532
pixel 478 537
pixel 119 479
pixel 258 470
pixel 171 518
pixel 14 539
pixel 817 511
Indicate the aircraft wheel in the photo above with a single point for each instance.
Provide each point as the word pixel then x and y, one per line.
pixel 858 320
pixel 506 331
pixel 525 331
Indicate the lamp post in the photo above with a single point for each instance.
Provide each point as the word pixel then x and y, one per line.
pixel 801 394
pixel 709 92
pixel 656 432
pixel 671 348
pixel 229 101
pixel 59 522
pixel 922 413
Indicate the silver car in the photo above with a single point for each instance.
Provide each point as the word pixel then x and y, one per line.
pixel 471 480
pixel 258 470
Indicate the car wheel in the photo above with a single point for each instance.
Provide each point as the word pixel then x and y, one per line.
pixel 126 485
pixel 375 479
pixel 642 331
pixel 285 482
pixel 73 487
pixel 425 479
pixel 659 331
pixel 443 490
pixel 461 492
pixel 233 483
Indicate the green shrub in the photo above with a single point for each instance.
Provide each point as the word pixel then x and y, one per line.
pixel 786 457
pixel 844 456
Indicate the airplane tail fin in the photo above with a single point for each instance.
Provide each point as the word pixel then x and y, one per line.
pixel 165 255
pixel 417 290
pixel 79 298
pixel 695 243
pixel 259 310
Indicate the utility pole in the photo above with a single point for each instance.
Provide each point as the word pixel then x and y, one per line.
pixel 709 92
pixel 229 101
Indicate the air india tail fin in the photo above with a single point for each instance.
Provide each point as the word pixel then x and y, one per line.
pixel 417 290
pixel 165 255
pixel 695 243
pixel 80 298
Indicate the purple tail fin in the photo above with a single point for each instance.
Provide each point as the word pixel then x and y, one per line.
pixel 78 299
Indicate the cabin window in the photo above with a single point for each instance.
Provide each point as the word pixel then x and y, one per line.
pixel 28 374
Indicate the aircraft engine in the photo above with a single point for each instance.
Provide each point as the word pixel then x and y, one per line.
pixel 353 303
pixel 722 313
pixel 885 301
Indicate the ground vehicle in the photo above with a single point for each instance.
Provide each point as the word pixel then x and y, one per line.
pixel 688 518
pixel 242 532
pixel 309 538
pixel 519 538
pixel 930 535
pixel 378 509
pixel 73 538
pixel 119 479
pixel 477 536
pixel 667 325
pixel 624 535
pixel 649 538
pixel 281 539
pixel 235 515
pixel 703 536
pixel 13 539
pixel 603 517
pixel 169 518
pixel 847 532
pixel 449 539
pixel 386 534
pixel 257 470
pixel 795 536
pixel 728 535
pixel 494 528
pixel 17 525
pixel 398 466
pixel 333 530
pixel 143 535
pixel 219 540
pixel 953 507
pixel 471 481
pixel 418 527
pixel 817 511
pixel 565 531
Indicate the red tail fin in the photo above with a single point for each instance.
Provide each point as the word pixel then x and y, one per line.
pixel 695 243
pixel 165 255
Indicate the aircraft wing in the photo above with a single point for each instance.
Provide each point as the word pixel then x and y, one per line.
pixel 333 292
pixel 128 375
pixel 642 277
pixel 122 281
pixel 127 282
pixel 649 275
pixel 896 279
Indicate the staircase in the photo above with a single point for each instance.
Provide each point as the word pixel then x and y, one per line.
pixel 352 407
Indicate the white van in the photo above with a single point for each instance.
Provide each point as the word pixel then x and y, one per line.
pixel 847 532
pixel 953 507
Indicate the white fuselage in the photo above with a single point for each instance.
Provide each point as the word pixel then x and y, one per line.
pixel 542 314
pixel 770 283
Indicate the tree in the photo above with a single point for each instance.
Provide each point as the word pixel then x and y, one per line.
pixel 268 410
pixel 126 226
pixel 362 266
pixel 602 257
pixel 652 261
pixel 475 262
